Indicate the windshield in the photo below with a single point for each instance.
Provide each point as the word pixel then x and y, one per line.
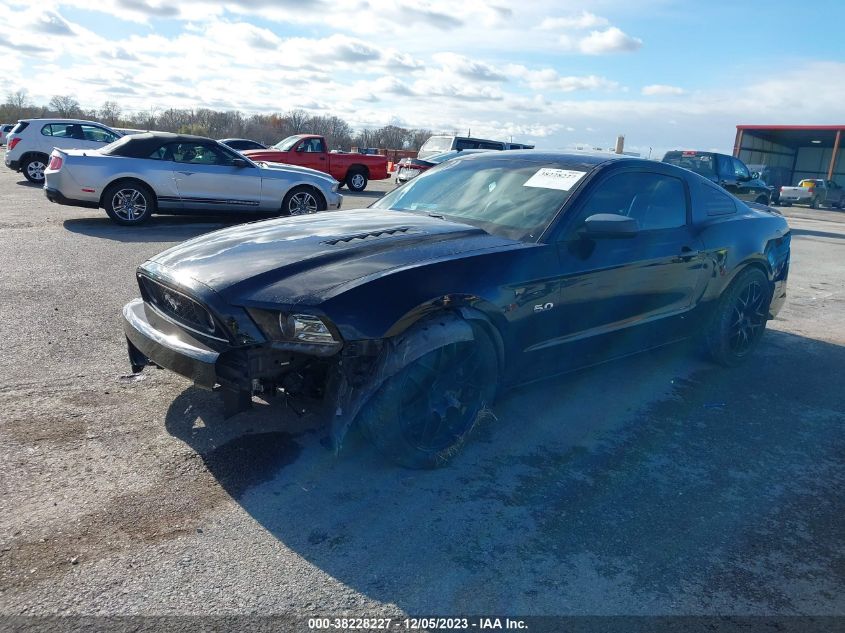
pixel 437 144
pixel 514 198
pixel 285 144
pixel 699 162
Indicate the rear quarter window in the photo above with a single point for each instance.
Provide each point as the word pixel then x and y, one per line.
pixel 715 202
pixel 20 127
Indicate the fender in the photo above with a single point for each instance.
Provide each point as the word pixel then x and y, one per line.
pixel 426 336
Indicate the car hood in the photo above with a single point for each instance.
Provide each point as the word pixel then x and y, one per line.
pixel 270 167
pixel 307 259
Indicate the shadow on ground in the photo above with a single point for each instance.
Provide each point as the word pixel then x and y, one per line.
pixel 808 233
pixel 159 228
pixel 656 484
pixel 367 197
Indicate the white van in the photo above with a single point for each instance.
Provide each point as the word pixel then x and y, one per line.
pixel 440 144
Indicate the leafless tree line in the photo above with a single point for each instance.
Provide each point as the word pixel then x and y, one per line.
pixel 266 128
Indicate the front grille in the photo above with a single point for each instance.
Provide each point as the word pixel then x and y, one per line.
pixel 178 306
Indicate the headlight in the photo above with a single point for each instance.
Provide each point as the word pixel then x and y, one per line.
pixel 293 331
pixel 305 328
pixel 335 186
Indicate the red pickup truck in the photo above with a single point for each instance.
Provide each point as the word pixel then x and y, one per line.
pixel 309 150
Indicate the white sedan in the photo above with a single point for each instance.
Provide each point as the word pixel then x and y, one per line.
pixel 153 172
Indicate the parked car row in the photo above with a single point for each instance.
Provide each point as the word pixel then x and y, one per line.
pixel 32 140
pixel 141 174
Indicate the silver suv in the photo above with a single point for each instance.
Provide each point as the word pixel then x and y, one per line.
pixel 30 142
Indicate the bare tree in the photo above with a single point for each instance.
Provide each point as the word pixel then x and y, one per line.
pixel 17 106
pixel 18 99
pixel 110 112
pixel 417 137
pixel 337 131
pixel 65 105
pixel 366 138
pixel 297 121
pixel 392 137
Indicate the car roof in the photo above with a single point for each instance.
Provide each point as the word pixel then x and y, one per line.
pixel 58 120
pixel 583 158
pixel 142 145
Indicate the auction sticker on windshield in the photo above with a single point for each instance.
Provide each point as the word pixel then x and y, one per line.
pixel 548 178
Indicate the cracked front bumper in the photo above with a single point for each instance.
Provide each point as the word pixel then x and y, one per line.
pixel 154 340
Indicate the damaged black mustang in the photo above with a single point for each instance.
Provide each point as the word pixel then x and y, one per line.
pixel 493 269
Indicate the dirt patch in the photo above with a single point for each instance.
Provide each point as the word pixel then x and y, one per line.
pixel 189 487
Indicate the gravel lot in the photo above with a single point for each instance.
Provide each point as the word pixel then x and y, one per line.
pixel 656 485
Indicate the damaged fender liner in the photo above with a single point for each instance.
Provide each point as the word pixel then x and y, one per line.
pixel 347 393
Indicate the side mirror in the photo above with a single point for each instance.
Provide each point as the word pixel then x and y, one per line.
pixel 239 162
pixel 610 225
pixel 755 175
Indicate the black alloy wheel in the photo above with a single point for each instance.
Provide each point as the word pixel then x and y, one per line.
pixel 421 416
pixel 740 318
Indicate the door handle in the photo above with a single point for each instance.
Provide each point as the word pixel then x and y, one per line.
pixel 687 254
pixel 186 173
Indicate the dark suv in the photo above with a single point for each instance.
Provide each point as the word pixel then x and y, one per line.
pixel 725 170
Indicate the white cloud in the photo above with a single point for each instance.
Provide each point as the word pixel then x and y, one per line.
pixel 661 89
pixel 468 68
pixel 549 79
pixel 610 40
pixel 583 20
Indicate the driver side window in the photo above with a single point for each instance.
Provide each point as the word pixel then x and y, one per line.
pixel 654 200
pixel 740 170
pixel 195 154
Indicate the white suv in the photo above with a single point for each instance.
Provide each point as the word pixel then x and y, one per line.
pixel 30 142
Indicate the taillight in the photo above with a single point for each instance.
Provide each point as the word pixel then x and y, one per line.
pixel 55 163
pixel 13 143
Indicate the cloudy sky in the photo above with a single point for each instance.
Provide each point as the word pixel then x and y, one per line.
pixel 559 73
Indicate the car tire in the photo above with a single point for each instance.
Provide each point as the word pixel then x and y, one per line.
pixel 762 200
pixel 302 201
pixel 421 416
pixel 33 169
pixel 129 203
pixel 739 318
pixel 356 180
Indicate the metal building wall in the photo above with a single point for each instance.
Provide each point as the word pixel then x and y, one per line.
pixel 813 162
